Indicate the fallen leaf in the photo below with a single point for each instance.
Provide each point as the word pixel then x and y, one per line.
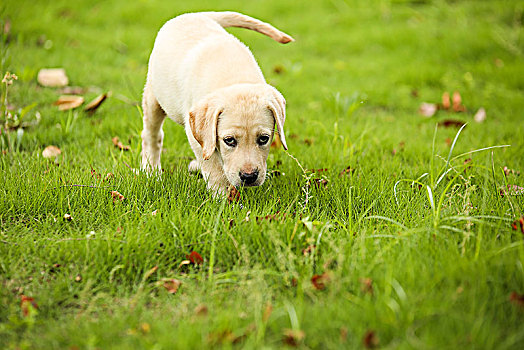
pixel 201 310
pixel 348 171
pixel 320 183
pixel 171 285
pixel 309 250
pixel 67 102
pixel 27 304
pixel 466 162
pixel 366 285
pixel 308 142
pixel 519 222
pixel 319 281
pixel 68 217
pixel 457 102
pixel 109 176
pixel 272 217
pixel 195 258
pixel 52 77
pixel 321 170
pixel 233 195
pixel 517 299
pixel 94 104
pixel 51 152
pixel 278 69
pixel 293 337
pixel 117 196
pixel 370 340
pixel 78 278
pixel 448 141
pixel 428 109
pixel 120 145
pixel 446 103
pixel 225 337
pixel 480 116
pixel 448 123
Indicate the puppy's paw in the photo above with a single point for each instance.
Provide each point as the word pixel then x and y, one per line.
pixel 193 166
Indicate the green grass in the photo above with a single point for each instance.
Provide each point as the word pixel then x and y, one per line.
pixel 441 275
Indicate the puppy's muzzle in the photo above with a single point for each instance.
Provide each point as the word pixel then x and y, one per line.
pixel 248 179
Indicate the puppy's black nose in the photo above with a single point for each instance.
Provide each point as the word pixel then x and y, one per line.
pixel 248 178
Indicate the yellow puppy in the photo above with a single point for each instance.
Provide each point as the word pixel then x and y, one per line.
pixel 204 78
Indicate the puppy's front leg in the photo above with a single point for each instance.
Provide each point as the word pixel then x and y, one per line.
pixel 152 135
pixel 215 177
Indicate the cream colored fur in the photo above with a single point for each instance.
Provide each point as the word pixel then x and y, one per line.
pixel 204 78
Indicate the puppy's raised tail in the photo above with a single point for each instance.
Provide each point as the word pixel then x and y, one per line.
pixel 235 19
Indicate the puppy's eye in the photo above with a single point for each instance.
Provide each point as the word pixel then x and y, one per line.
pixel 262 140
pixel 230 141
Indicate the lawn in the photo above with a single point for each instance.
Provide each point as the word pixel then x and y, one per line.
pixel 381 228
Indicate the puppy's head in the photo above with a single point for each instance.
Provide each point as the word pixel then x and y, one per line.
pixel 238 123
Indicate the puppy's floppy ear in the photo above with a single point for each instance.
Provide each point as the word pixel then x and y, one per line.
pixel 277 106
pixel 203 120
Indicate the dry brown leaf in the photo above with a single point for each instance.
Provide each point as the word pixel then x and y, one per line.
pixel 78 278
pixel 120 145
pixel 172 285
pixel 94 104
pixel 370 340
pixel 428 109
pixel 27 304
pixel 446 103
pixel 309 250
pixel 448 123
pixel 201 310
pixel 68 217
pixel 293 337
pixel 319 281
pixel 51 152
pixel 117 196
pixel 517 299
pixel 67 102
pixel 195 258
pixel 520 222
pixel 233 195
pixel 480 116
pixel 52 77
pixel 366 285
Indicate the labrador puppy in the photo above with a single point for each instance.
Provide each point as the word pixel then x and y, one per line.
pixel 205 79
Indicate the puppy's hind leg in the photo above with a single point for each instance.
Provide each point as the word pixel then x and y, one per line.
pixel 152 134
